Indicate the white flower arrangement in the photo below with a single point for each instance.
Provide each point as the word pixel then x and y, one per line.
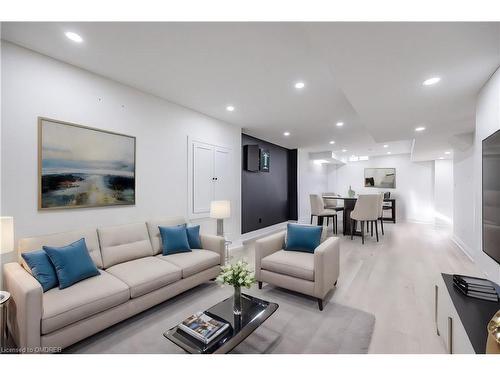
pixel 237 275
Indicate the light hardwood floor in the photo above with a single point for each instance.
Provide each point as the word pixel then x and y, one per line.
pixel 394 280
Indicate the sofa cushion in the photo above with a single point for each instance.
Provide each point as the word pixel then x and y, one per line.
pixel 292 263
pixel 42 268
pixel 192 262
pixel 154 231
pixel 72 263
pixel 145 275
pixel 62 307
pixel 62 239
pixel 122 243
pixel 174 239
pixel 193 234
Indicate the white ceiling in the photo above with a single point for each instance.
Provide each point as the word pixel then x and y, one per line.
pixel 367 75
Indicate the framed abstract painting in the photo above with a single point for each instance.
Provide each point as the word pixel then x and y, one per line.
pixel 81 167
pixel 380 178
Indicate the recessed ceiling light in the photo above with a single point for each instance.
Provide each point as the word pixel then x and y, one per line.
pixel 431 81
pixel 300 85
pixel 230 108
pixel 332 142
pixel 344 150
pixel 447 152
pixel 340 123
pixel 420 128
pixel 388 152
pixel 286 134
pixel 385 146
pixel 441 158
pixel 73 36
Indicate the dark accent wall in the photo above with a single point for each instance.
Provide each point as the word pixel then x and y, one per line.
pixel 268 198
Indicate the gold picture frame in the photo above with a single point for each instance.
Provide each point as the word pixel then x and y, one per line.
pixel 62 182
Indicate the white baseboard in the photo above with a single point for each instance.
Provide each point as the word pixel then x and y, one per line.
pixel 462 246
pixel 259 233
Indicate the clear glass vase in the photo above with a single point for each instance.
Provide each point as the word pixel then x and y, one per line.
pixel 237 301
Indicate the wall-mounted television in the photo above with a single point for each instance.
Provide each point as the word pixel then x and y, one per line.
pixel 491 196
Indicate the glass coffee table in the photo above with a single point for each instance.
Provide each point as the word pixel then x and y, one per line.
pixel 254 312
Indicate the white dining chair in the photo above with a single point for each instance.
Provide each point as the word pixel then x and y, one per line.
pixel 366 210
pixel 332 203
pixel 318 209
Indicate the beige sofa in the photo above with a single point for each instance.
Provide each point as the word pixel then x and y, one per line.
pixel 134 276
pixel 312 274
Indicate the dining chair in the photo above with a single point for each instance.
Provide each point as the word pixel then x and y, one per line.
pixel 318 209
pixel 387 206
pixel 332 203
pixel 366 210
pixel 381 211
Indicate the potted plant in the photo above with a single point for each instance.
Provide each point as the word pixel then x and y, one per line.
pixel 237 275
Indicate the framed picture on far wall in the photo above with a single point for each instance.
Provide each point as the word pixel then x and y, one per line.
pixel 81 167
pixel 380 178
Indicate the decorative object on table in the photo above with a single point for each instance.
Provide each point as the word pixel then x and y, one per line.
pixel 7 234
pixel 80 166
pixel 380 177
pixel 476 287
pixel 237 275
pixel 203 327
pixel 493 342
pixel 220 210
pixel 265 159
pixel 4 298
pixel 351 193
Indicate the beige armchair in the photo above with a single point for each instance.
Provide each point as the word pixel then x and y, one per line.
pixel 312 274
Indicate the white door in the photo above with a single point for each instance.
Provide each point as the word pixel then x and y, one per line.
pixel 203 174
pixel 222 173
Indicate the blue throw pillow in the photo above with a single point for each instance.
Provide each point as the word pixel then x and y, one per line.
pixel 193 234
pixel 72 263
pixel 174 239
pixel 41 268
pixel 304 238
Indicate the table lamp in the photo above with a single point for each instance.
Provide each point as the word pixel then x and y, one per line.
pixel 7 234
pixel 220 210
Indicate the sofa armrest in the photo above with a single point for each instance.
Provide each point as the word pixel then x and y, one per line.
pixel 326 266
pixel 266 246
pixel 214 243
pixel 25 306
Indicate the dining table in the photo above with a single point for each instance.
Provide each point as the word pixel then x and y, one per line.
pixel 349 203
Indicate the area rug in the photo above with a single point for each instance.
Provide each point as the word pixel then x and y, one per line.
pixel 296 327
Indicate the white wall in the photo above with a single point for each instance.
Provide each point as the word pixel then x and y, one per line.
pixel 463 199
pixel 414 184
pixel 443 192
pixel 34 85
pixel 312 179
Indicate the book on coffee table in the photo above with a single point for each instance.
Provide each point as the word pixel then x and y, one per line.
pixel 203 327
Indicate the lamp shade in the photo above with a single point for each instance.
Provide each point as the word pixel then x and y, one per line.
pixel 220 209
pixel 7 234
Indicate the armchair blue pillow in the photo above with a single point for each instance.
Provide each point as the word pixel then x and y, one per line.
pixel 42 268
pixel 305 238
pixel 174 239
pixel 72 263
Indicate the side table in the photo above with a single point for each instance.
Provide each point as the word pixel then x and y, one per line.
pixel 4 299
